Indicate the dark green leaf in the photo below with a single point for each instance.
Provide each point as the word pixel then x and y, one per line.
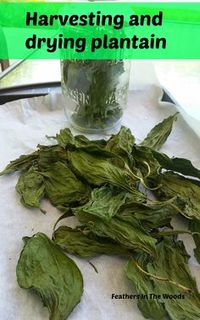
pixel 144 286
pixel 97 171
pixel 152 215
pixel 145 161
pixel 131 236
pixel 159 134
pixel 44 268
pixel 122 144
pixel 62 186
pixel 76 241
pixel 66 140
pixel 49 155
pixel 31 187
pixel 167 275
pixel 180 165
pixel 187 190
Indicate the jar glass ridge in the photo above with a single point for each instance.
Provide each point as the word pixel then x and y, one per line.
pixel 95 92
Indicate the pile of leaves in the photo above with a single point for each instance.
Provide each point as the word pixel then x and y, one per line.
pixel 124 196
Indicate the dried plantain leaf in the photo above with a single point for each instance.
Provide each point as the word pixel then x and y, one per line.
pixel 63 187
pixel 105 202
pixel 97 171
pixel 80 243
pixel 167 276
pixel 31 187
pixel 152 215
pixel 187 190
pixel 131 236
pixel 145 161
pixel 144 286
pixel 66 140
pixel 122 144
pixel 159 134
pixel 49 155
pixel 22 163
pixel 44 268
pixel 180 165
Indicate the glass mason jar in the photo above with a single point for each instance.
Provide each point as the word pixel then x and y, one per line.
pixel 95 92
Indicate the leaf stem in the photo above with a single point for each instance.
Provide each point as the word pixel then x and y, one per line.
pixel 162 278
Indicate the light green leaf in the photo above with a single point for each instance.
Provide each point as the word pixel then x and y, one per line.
pixel 105 202
pixel 150 308
pixel 152 215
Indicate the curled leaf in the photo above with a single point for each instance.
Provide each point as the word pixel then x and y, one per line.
pixel 132 236
pixel 31 188
pixel 75 241
pixel 188 191
pixel 159 134
pixel 180 165
pixel 63 187
pixel 164 279
pixel 22 163
pixel 97 171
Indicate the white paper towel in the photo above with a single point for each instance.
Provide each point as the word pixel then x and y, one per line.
pixel 24 124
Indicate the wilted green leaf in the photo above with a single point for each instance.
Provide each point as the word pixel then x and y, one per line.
pixel 78 242
pixel 64 137
pixel 152 215
pixel 105 202
pixel 122 144
pixel 66 140
pixel 159 134
pixel 22 163
pixel 132 236
pixel 49 155
pixel 180 165
pixel 187 190
pixel 144 286
pixel 44 268
pixel 145 161
pixel 31 187
pixel 97 171
pixel 167 275
pixel 62 186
